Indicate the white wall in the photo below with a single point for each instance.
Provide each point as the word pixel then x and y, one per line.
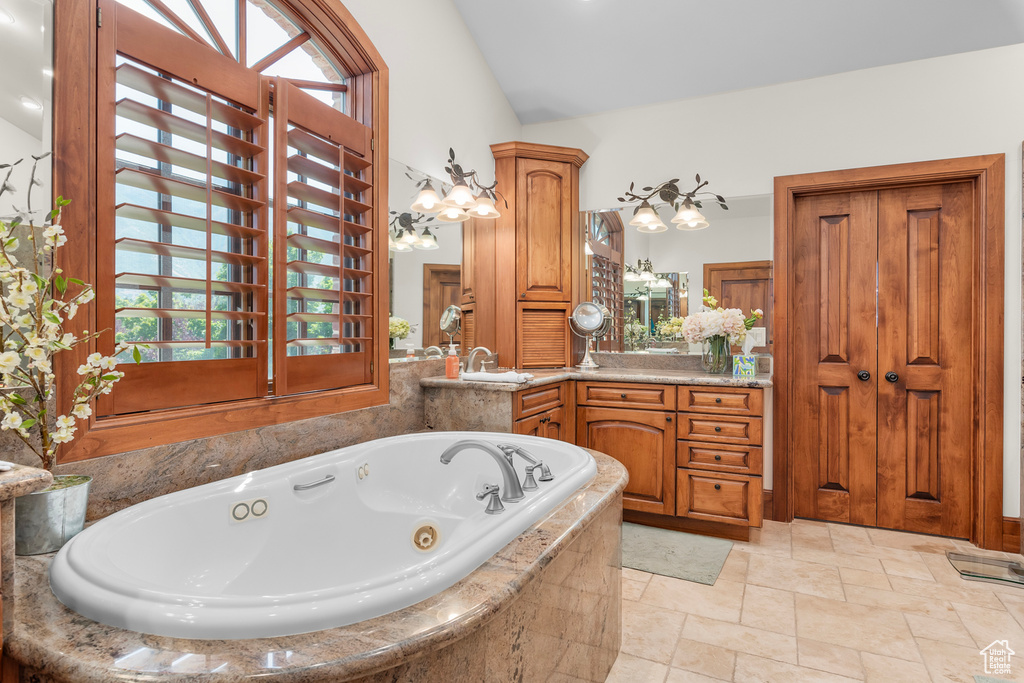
pixel 960 105
pixel 17 144
pixel 422 43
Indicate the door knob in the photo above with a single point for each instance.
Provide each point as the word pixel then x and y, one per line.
pixel 668 418
pixel 863 375
pixel 891 377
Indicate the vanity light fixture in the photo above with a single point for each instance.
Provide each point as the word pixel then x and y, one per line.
pixel 428 200
pixel 466 199
pixel 452 214
pixel 460 196
pixel 427 240
pixel 686 205
pixel 405 237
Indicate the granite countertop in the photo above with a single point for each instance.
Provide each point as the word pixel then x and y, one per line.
pixel 43 628
pixel 21 480
pixel 648 376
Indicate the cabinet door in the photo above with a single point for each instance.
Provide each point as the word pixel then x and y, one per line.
pixel 643 441
pixel 529 426
pixel 550 424
pixel 543 230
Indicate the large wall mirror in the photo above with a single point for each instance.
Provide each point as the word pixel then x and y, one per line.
pixel 425 273
pixel 26 87
pixel 647 278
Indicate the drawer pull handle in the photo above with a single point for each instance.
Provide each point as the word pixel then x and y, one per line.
pixel 718 487
pixel 718 429
pixel 718 400
pixel 718 457
pixel 622 396
pixel 668 418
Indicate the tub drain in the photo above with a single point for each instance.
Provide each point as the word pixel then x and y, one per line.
pixel 425 537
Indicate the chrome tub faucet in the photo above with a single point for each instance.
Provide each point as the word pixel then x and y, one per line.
pixel 513 491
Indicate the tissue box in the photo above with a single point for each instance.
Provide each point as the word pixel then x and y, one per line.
pixel 744 366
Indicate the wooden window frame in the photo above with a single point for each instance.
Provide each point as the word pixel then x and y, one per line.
pixel 76 70
pixel 987 176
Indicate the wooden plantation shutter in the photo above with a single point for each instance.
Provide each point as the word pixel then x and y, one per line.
pixel 182 218
pixel 323 315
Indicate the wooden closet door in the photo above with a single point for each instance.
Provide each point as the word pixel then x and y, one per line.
pixel 925 304
pixel 832 309
pixel 543 230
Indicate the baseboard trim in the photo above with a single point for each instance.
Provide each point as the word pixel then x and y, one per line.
pixel 766 500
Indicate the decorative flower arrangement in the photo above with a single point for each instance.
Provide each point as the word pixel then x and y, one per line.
pixel 35 304
pixel 635 335
pixel 673 327
pixel 399 328
pixel 716 329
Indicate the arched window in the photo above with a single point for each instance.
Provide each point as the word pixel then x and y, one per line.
pixel 240 149
pixel 604 235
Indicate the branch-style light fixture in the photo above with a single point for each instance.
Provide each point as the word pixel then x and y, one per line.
pixel 467 198
pixel 404 238
pixel 686 205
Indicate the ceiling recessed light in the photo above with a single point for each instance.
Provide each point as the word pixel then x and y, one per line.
pixel 6 17
pixel 29 103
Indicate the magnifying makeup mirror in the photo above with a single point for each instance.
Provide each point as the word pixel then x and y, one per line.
pixel 591 321
pixel 451 322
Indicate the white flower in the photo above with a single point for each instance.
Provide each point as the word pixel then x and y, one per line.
pixel 108 363
pixel 26 320
pixel 42 365
pixel 84 369
pixel 11 420
pixel 12 245
pixel 64 435
pixel 29 287
pixel 19 300
pixel 65 421
pixel 94 359
pixel 86 296
pixel 72 310
pixel 9 362
pixel 82 410
pixel 68 339
pixel 36 353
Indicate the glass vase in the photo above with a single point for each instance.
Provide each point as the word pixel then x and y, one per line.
pixel 715 354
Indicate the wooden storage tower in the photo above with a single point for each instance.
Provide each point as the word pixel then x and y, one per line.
pixel 522 273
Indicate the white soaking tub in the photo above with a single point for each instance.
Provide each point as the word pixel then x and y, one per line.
pixel 265 554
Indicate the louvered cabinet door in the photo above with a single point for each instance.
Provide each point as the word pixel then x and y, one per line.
pixel 543 335
pixel 323 243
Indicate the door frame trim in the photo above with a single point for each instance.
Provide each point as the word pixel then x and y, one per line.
pixel 987 175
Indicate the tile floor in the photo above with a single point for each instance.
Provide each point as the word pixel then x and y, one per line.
pixel 811 601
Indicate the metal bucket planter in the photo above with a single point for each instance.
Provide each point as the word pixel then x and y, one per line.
pixel 45 520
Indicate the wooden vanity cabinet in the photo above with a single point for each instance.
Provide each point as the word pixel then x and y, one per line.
pixel 544 411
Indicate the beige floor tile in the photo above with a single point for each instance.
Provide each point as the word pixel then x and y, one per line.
pixel 986 625
pixel 948 663
pixel 838 559
pixel 811 536
pixel 650 632
pixel 872 629
pixel 769 609
pixel 910 541
pixel 629 669
pixel 880 552
pixel 684 676
pixel 632 590
pixel 753 669
pixel 735 567
pixel 795 575
pixel 1014 604
pixel 859 577
pixel 880 669
pixel 843 534
pixel 833 659
pixel 912 570
pixel 722 601
pixel 636 575
pixel 970 593
pixel 741 638
pixel 942 630
pixel 901 602
pixel 709 660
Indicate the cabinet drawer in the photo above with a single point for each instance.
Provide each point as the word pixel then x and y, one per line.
pixel 719 457
pixel 720 429
pixel 722 400
pixel 713 497
pixel 620 395
pixel 532 401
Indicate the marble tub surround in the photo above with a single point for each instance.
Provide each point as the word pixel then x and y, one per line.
pixel 650 376
pixel 547 604
pixel 476 407
pixel 20 480
pixel 127 478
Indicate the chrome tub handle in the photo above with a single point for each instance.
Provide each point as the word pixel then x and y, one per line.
pixel 313 484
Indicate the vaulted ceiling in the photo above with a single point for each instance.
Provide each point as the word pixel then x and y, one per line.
pixel 561 58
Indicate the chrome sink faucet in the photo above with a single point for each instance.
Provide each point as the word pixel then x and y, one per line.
pixel 513 491
pixel 472 358
pixel 529 483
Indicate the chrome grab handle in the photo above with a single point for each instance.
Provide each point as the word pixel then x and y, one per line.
pixel 494 505
pixel 313 484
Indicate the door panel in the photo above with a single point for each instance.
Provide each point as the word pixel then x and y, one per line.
pixel 924 417
pixel 543 230
pixel 441 288
pixel 746 285
pixel 833 313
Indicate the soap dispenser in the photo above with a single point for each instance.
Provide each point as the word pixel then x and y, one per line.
pixel 451 363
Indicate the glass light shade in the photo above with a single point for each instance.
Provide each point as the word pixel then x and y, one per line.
pixel 687 213
pixel 409 237
pixel 460 196
pixel 402 246
pixel 648 276
pixel 392 244
pixel 645 215
pixel 631 276
pixel 642 297
pixel 651 228
pixel 427 240
pixel 451 214
pixel 587 250
pixel 427 201
pixel 484 208
pixel 699 224
pixel 662 283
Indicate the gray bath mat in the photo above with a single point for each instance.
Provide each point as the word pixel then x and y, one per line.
pixel 673 553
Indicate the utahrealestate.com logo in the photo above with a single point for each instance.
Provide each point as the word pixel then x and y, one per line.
pixel 997 657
